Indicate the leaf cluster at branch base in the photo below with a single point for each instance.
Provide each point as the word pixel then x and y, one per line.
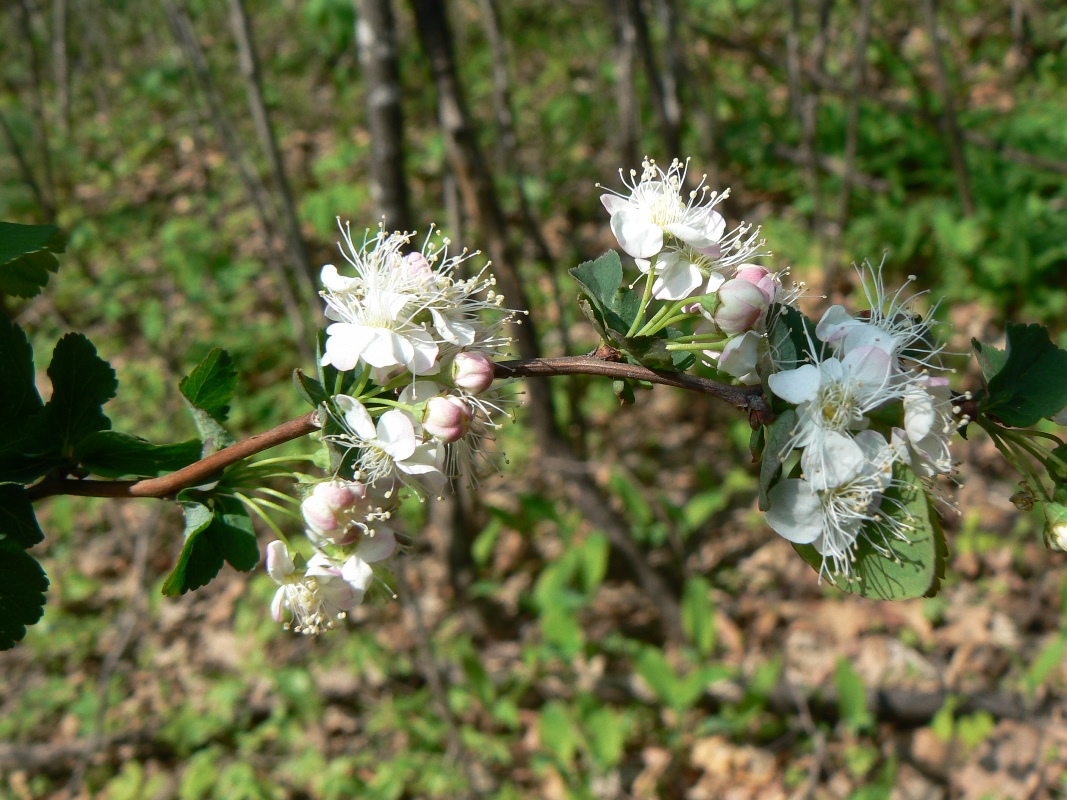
pixel 1026 381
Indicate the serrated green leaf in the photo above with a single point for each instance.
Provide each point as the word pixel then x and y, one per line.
pixel 22 587
pixel 112 454
pixel 26 257
pixel 211 384
pixel 1032 383
pixel 18 523
pixel 212 535
pixel 779 435
pixel 309 388
pixel 916 566
pixel 602 282
pixel 81 383
pixel 18 390
pixel 990 359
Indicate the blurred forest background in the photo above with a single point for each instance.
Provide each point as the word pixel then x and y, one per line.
pixel 611 618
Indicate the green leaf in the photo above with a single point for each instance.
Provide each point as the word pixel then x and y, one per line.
pixel 606 733
pixel 852 697
pixel 594 554
pixel 914 568
pixel 18 523
pixel 22 587
pixel 990 359
pixel 212 535
pixel 18 390
pixel 791 337
pixel 210 386
pixel 779 435
pixel 309 388
pixel 26 257
pixel 601 280
pixel 112 455
pixel 81 383
pixel 698 615
pixel 558 734
pixel 1032 383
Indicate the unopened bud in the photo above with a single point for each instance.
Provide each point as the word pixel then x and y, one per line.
pixel 1056 526
pixel 332 505
pixel 741 303
pixel 447 418
pixel 472 372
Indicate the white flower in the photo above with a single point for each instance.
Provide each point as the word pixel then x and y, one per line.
pixel 928 427
pixel 832 518
pixel 392 448
pixel 833 398
pixel 655 209
pixel 892 324
pixel 315 598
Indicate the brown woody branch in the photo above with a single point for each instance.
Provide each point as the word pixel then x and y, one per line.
pixel 746 398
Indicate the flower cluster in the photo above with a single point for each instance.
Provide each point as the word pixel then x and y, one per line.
pixel 681 245
pixel 865 403
pixel 414 406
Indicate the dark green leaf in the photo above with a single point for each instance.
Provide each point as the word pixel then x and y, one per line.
pixel 18 390
pixel 112 455
pixel 990 359
pixel 1032 383
pixel 210 386
pixel 779 435
pixel 916 566
pixel 18 523
pixel 81 383
pixel 22 587
pixel 26 257
pixel 624 391
pixel 601 281
pixel 211 537
pixel 791 337
pixel 309 388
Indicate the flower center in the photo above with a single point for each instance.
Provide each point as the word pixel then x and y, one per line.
pixel 836 406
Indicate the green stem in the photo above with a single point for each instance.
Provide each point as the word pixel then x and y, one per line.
pixel 252 506
pixel 1019 460
pixel 644 299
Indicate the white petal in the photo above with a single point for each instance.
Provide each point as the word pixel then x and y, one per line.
pixel 636 233
pixel 679 280
pixel 396 434
pixel 715 280
pixel 740 355
pixel 345 344
pixel 357 417
pixel 833 324
pixel 335 282
pixel 831 459
pixel 867 335
pixel 919 414
pixel 613 203
pixel 454 331
pixel 796 512
pixel 279 563
pixel 387 348
pixel 277 605
pixel 357 573
pixel 420 392
pixel 423 360
pixel 377 547
pixel 796 385
pixel 870 368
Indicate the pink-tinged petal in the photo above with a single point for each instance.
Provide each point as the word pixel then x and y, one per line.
pixel 377 547
pixel 870 368
pixel 637 235
pixel 277 605
pixel 613 203
pixel 863 334
pixel 318 515
pixel 741 355
pixel 357 573
pixel 345 344
pixel 279 564
pixel 796 386
pixel 831 460
pixel 834 323
pixel 396 434
pixel 357 418
pixel 796 513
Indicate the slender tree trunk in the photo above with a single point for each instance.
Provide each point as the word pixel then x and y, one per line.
pixel 483 206
pixel 61 62
pixel 47 209
pixel 48 185
pixel 674 70
pixel 377 48
pixel 626 101
pixel 257 192
pixel 304 272
pixel 948 122
pixel 668 121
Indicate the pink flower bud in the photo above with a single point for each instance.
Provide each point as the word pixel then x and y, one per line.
pixel 418 267
pixel 760 277
pixel 472 372
pixel 741 303
pixel 447 418
pixel 332 504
